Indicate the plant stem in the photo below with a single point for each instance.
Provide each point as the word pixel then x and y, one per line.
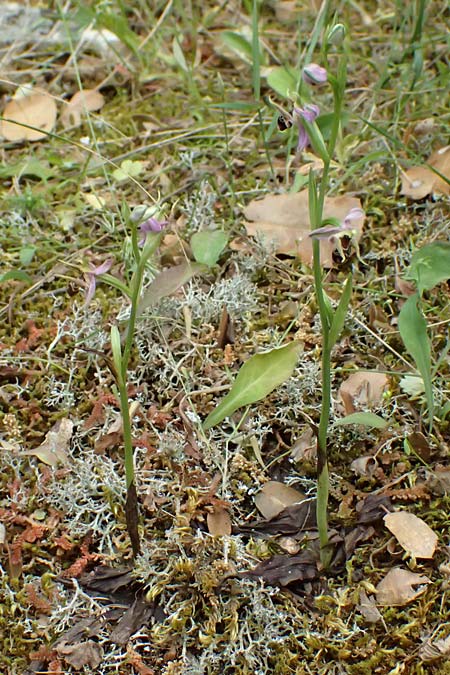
pixel 324 312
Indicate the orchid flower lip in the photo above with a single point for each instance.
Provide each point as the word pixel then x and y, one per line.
pixel 309 113
pixel 92 275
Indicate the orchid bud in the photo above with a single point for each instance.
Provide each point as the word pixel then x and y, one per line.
pixel 336 35
pixel 314 74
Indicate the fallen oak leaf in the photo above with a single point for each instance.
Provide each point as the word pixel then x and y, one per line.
pixel 37 110
pixel 397 587
pixel 82 102
pixel 284 219
pixel 81 654
pixel 412 533
pixel 274 497
pixel 54 448
pixel 420 181
pixel 362 389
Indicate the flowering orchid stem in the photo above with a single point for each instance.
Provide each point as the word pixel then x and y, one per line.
pixel 317 197
pixel 131 504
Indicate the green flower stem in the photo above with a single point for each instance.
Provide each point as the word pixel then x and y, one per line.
pixel 324 312
pixel 131 506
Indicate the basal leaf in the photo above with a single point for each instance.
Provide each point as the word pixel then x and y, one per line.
pixel 256 379
pixel 167 282
pixel 430 265
pixel 208 245
pixel 367 419
pixel 281 80
pixel 413 331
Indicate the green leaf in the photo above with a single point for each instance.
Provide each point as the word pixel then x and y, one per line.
pixel 367 419
pixel 17 275
pixel 26 255
pixel 128 169
pixel 413 331
pixel 208 245
pixel 238 44
pixel 167 282
pixel 118 25
pixel 179 55
pixel 116 348
pixel 341 312
pixel 430 265
pixel 281 80
pixel 316 139
pixel 256 379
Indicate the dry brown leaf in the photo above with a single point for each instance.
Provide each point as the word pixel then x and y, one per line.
pixel 432 651
pixel 284 220
pixel 54 449
pixel 397 587
pixel 81 654
pixel 420 181
pixel 364 466
pixel 363 389
pixel 85 101
pixel 36 110
pixel 368 608
pixel 274 497
pixel 412 533
pixel 219 522
pixel 305 447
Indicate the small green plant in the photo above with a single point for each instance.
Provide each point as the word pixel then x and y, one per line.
pixel 207 247
pixel 429 266
pixel 263 372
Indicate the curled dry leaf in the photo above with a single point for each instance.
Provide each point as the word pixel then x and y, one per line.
pixel 219 522
pixel 81 654
pixel 305 447
pixel 364 466
pixel 85 101
pixel 363 389
pixel 35 110
pixel 412 533
pixel 274 497
pixel 400 587
pixel 54 449
pixel 368 607
pixel 434 650
pixel 420 181
pixel 284 220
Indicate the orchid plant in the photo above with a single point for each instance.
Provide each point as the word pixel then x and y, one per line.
pixel 145 239
pixel 332 321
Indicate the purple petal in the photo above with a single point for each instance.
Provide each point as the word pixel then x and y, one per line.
pixel 101 269
pixel 354 214
pixel 91 289
pixel 326 232
pixel 310 112
pixel 314 74
pixel 303 139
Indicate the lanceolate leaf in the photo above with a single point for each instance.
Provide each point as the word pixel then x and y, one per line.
pixel 256 379
pixel 413 331
pixel 167 282
pixel 366 419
